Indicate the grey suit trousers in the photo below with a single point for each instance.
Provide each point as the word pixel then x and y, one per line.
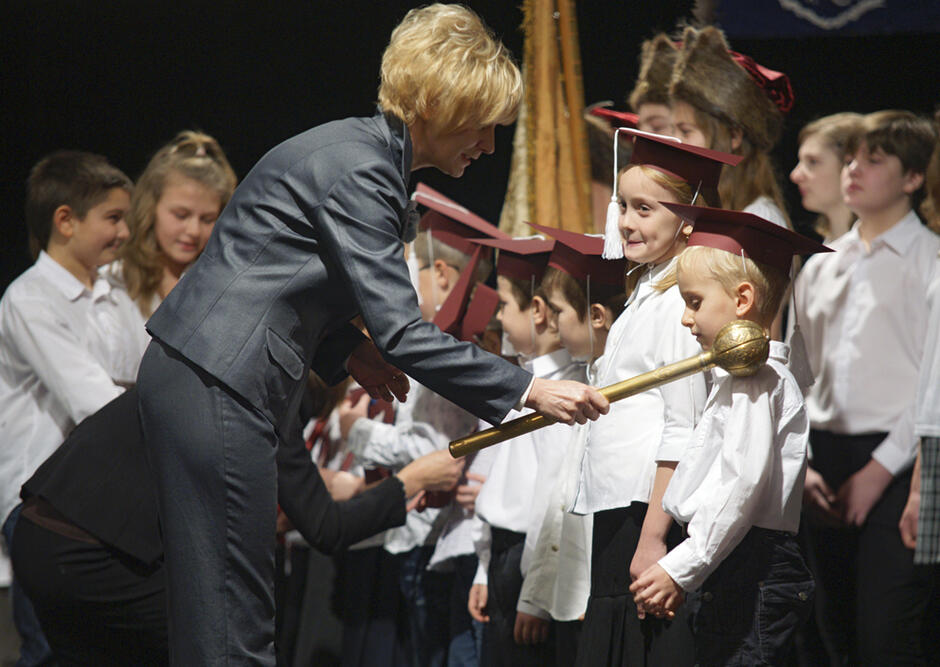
pixel 213 458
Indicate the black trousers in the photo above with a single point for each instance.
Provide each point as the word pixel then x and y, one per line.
pixel 870 598
pixel 504 579
pixel 213 459
pixel 612 633
pixel 96 605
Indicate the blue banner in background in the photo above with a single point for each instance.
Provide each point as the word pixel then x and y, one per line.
pixel 808 18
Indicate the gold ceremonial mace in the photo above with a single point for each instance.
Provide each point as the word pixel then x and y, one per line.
pixel 741 348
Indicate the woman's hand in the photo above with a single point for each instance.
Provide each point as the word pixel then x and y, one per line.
pixel 378 377
pixel 566 401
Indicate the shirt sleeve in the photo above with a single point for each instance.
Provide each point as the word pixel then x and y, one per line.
pixel 725 517
pixel 899 449
pixel 482 541
pixel 359 229
pixel 683 399
pixel 54 351
pixel 392 445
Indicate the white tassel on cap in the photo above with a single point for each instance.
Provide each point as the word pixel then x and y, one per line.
pixel 613 248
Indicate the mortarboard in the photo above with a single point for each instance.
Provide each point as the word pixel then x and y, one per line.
pixel 450 223
pixel 451 314
pixel 580 256
pixel 692 164
pixel 699 167
pixel 479 313
pixel 615 118
pixel 520 259
pixel 745 234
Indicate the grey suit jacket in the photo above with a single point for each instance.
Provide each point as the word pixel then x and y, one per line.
pixel 311 238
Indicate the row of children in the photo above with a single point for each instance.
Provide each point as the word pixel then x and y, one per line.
pixel 693 488
pixel 571 525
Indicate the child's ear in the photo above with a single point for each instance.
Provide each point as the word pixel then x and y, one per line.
pixel 541 314
pixel 441 273
pixel 737 136
pixel 744 297
pixel 63 221
pixel 601 317
pixel 912 181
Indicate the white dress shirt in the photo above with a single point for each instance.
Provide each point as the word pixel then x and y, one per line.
pixel 765 208
pixel 556 560
pixel 63 351
pixel 863 313
pixel 618 459
pixel 456 536
pixel 744 467
pixel 505 501
pixel 429 424
pixel 927 420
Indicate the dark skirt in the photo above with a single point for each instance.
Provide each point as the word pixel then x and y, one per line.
pixel 612 634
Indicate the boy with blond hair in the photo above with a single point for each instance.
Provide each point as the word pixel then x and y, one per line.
pixel 738 486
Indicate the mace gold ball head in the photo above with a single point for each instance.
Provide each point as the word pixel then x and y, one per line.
pixel 741 347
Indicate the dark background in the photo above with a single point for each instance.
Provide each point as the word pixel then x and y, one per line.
pixel 121 78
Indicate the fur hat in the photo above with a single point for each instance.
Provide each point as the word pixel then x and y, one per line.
pixel 657 58
pixel 730 87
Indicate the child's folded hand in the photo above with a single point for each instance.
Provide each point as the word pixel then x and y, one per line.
pixel 657 593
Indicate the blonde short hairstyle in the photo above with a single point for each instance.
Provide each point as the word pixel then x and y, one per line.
pixel 445 66
pixel 730 270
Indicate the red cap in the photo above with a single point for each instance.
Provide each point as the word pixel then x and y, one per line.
pixel 737 232
pixel 616 118
pixel 450 223
pixel 520 259
pixel 449 317
pixel 579 255
pixel 691 164
pixel 479 313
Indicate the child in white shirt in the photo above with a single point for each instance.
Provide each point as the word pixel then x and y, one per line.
pixel 62 352
pixel 737 489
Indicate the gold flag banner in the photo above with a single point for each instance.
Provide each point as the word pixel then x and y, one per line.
pixel 741 348
pixel 549 179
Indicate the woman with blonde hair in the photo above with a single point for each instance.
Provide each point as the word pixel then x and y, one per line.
pixel 174 207
pixel 312 237
pixel 818 173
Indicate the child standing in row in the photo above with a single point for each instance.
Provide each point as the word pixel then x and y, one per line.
pixel 615 475
pixel 863 314
pixel 584 293
pixel 503 511
pixel 738 487
pixel 62 352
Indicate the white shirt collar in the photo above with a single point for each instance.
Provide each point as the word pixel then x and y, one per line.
pixel 647 282
pixel 70 286
pixel 548 364
pixel 899 239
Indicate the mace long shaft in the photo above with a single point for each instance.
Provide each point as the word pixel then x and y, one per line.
pixel 614 392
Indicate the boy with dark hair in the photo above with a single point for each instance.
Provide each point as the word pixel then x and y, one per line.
pixel 67 342
pixel 863 313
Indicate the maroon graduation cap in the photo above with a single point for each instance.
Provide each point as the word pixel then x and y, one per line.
pixel 479 313
pixel 451 314
pixel 450 223
pixel 692 164
pixel 737 232
pixel 615 118
pixel 520 259
pixel 579 255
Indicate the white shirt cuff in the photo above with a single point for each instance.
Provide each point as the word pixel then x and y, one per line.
pixel 525 395
pixel 532 610
pixel 481 577
pixel 895 458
